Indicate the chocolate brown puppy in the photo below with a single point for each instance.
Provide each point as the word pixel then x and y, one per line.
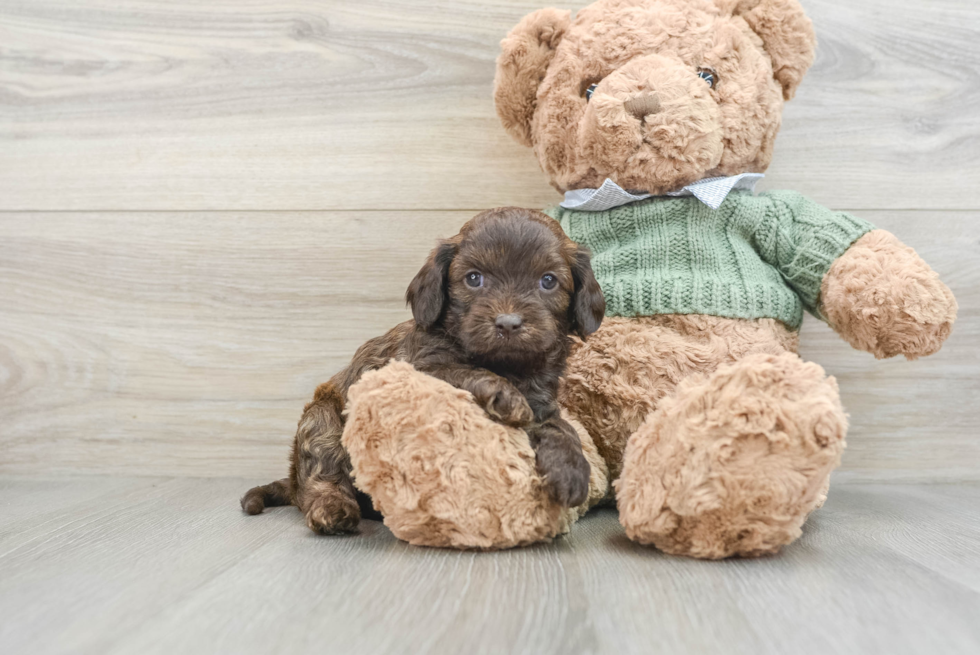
pixel 493 310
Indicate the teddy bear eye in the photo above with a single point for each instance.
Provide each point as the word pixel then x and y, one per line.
pixel 589 91
pixel 708 76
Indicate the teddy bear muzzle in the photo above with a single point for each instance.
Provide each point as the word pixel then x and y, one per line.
pixel 653 120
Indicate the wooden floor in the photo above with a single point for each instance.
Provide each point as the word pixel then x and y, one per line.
pixel 171 565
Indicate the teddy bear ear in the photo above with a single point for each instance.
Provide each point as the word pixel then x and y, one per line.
pixel 787 34
pixel 524 58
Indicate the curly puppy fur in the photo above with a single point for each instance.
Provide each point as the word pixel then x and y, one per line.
pixel 443 473
pixel 882 298
pixel 652 123
pixel 733 462
pixel 493 310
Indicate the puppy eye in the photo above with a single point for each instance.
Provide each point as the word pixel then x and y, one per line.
pixel 548 282
pixel 708 76
pixel 589 91
pixel 474 279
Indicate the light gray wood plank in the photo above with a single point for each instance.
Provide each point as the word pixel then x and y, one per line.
pixel 833 591
pixel 385 104
pixel 187 343
pixel 934 526
pixel 180 569
pixel 112 566
pixel 43 504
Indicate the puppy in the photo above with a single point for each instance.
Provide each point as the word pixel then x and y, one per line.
pixel 493 310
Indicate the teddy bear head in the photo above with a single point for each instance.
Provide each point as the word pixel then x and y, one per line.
pixel 652 94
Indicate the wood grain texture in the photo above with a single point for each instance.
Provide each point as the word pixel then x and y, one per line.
pixel 174 566
pixel 386 104
pixel 187 343
pixel 167 343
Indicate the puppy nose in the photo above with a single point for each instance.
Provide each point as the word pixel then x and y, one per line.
pixel 509 323
pixel 643 105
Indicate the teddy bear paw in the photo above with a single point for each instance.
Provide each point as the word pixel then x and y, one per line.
pixel 884 299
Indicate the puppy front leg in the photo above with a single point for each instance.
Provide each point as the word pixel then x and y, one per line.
pixel 321 466
pixel 501 399
pixel 560 459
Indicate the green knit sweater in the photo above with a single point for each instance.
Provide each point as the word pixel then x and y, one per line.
pixel 759 256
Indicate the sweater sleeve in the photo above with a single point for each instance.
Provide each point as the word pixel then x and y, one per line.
pixel 802 239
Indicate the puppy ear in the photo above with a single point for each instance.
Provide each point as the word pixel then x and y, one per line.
pixel 786 33
pixel 524 58
pixel 427 294
pixel 588 304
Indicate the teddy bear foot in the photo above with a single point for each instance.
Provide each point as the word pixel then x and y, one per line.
pixel 731 464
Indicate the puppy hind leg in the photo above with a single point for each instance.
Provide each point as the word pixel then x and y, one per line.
pixel 274 494
pixel 321 466
pixel 330 507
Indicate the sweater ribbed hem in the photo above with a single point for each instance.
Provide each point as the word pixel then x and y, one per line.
pixel 837 234
pixel 648 296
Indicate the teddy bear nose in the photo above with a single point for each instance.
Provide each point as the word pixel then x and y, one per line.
pixel 643 105
pixel 509 323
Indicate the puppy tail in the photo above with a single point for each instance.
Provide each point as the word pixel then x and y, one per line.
pixel 273 494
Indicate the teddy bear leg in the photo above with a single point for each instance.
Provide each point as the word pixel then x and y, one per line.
pixel 732 463
pixel 618 377
pixel 443 473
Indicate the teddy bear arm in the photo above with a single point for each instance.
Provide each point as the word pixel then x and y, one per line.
pixel 881 297
pixel 873 290
pixel 801 238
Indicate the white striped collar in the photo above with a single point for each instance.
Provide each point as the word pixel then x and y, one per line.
pixel 711 191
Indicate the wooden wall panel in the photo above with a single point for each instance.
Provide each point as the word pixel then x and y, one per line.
pixel 386 104
pixel 261 179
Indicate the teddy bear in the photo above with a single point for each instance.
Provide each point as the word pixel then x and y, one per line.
pixel 655 119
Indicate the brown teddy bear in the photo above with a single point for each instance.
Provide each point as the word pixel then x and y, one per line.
pixel 656 118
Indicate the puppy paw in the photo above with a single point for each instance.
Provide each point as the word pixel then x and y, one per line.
pixel 333 514
pixel 507 405
pixel 566 473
